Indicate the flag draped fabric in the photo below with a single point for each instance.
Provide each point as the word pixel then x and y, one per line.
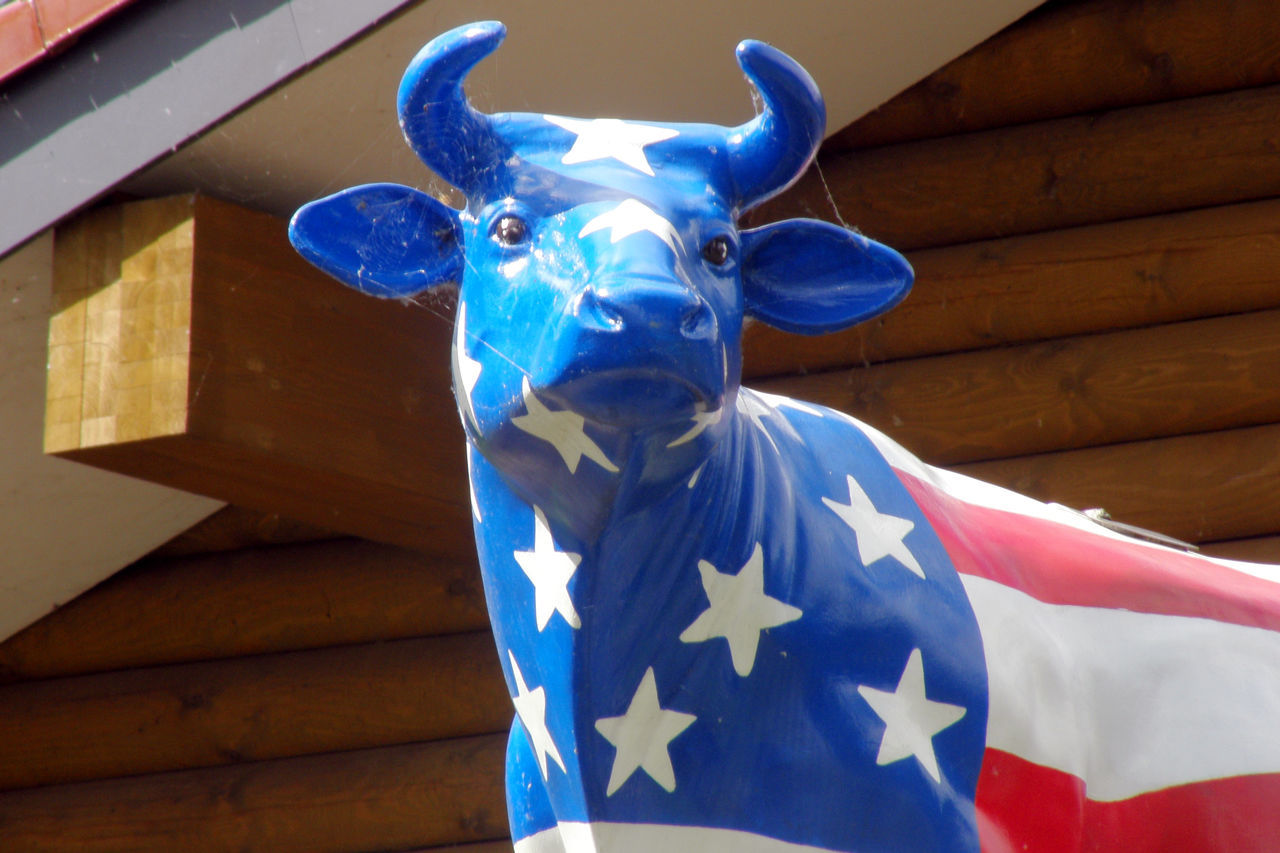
pixel 1132 686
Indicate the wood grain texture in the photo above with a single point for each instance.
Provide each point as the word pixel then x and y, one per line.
pixel 503 846
pixel 250 709
pixel 1198 376
pixel 119 348
pixel 1070 58
pixel 1120 275
pixel 235 527
pixel 246 603
pixel 1198 488
pixel 301 396
pixel 1259 549
pixel 392 798
pixel 1198 152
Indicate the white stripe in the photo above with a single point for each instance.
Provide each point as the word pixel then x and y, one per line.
pixel 983 494
pixel 652 838
pixel 1128 702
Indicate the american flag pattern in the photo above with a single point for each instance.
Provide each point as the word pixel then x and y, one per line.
pixel 735 622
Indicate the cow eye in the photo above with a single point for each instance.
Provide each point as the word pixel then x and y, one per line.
pixel 717 250
pixel 510 230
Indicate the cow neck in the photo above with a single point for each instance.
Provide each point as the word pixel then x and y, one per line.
pixel 584 483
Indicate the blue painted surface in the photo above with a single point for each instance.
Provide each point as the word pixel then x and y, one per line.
pixel 622 480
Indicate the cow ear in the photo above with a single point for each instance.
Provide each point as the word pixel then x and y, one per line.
pixel 811 277
pixel 383 239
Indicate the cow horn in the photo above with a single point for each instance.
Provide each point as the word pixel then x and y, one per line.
pixel 769 152
pixel 455 141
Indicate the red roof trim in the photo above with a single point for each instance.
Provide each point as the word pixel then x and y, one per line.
pixel 31 30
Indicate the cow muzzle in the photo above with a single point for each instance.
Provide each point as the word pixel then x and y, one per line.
pixel 638 352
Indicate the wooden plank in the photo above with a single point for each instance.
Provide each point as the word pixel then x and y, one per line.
pixel 503 846
pixel 249 602
pixel 1197 152
pixel 192 347
pixel 234 527
pixel 1070 58
pixel 249 709
pixel 393 798
pixel 1180 378
pixel 1141 272
pixel 1221 485
pixel 1260 549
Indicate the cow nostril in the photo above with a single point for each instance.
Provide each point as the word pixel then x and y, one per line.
pixel 696 320
pixel 597 312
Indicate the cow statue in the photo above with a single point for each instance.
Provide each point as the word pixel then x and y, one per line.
pixel 730 621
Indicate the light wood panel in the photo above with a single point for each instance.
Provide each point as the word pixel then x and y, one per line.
pixel 1206 487
pixel 250 708
pixel 249 602
pixel 1070 58
pixel 1140 272
pixel 393 798
pixel 191 346
pixel 1174 379
pixel 1142 161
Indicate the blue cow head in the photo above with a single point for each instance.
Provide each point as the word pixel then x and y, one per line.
pixel 600 265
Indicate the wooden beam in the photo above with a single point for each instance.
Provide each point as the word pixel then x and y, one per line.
pixel 1175 379
pixel 503 846
pixel 249 709
pixel 1141 272
pixel 393 798
pixel 1220 485
pixel 246 603
pixel 234 527
pixel 1071 58
pixel 1198 152
pixel 1260 549
pixel 191 346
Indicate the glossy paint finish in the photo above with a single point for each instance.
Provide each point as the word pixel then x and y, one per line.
pixel 715 609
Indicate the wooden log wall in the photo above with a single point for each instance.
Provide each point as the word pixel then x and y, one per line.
pixel 334 695
pixel 1091 201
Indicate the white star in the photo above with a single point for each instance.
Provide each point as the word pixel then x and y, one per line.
pixel 910 719
pixel 701 420
pixel 609 137
pixel 756 407
pixel 632 217
pixel 549 570
pixel 466 370
pixel 531 706
pixel 471 488
pixel 780 402
pixel 563 430
pixel 693 480
pixel 642 736
pixel 739 610
pixel 879 534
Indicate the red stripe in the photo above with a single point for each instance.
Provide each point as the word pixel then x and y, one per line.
pixel 1026 807
pixel 1058 564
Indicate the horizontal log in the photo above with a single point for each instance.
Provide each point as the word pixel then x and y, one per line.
pixel 1260 549
pixel 191 346
pixel 1141 161
pixel 503 846
pixel 249 602
pixel 1140 272
pixel 1198 376
pixel 419 795
pixel 234 527
pixel 250 709
pixel 1071 58
pixel 1198 488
